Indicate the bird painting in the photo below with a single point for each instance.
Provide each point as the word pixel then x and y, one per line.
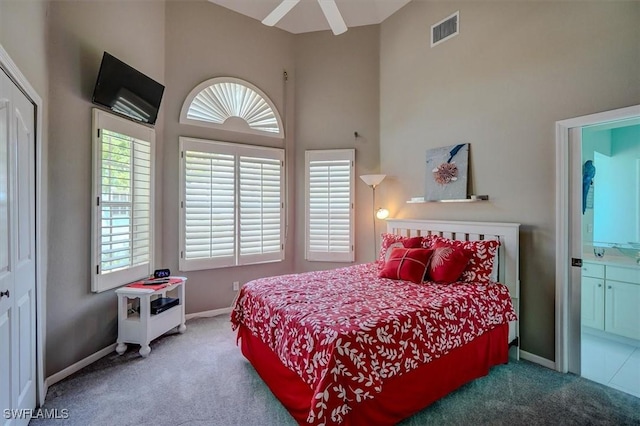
pixel 447 171
pixel 588 173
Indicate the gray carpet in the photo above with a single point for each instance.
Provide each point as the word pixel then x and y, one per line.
pixel 201 378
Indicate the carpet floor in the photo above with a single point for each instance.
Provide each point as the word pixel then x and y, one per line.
pixel 201 378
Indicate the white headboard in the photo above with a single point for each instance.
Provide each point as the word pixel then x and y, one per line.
pixel 508 254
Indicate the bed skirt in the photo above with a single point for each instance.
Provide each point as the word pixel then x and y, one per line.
pixel 401 396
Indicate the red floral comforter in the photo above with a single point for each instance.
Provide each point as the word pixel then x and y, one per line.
pixel 345 331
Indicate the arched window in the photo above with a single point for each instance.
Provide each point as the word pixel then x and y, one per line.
pixel 232 104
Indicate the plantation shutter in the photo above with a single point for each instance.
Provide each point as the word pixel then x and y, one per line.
pixel 261 208
pixel 232 204
pixel 122 246
pixel 329 205
pixel 209 208
pixel 125 197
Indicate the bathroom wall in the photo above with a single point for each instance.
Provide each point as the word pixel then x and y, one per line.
pixel 616 212
pixel 592 141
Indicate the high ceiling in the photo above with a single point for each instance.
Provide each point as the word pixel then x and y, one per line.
pixel 307 16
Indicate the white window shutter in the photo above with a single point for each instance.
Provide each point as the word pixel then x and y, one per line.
pixel 232 204
pixel 329 205
pixel 123 219
pixel 261 209
pixel 214 101
pixel 209 209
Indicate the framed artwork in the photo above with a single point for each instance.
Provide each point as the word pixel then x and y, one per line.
pixel 447 172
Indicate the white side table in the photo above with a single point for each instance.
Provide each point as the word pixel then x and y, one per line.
pixel 142 327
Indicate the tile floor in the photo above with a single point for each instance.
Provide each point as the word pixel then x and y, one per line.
pixel 611 363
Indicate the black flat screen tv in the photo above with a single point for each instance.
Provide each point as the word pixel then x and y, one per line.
pixel 127 91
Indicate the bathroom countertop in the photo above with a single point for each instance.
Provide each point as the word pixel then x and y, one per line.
pixel 608 259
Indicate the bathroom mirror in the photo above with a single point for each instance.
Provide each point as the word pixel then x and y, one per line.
pixel 611 195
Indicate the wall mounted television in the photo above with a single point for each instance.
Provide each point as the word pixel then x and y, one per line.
pixel 127 91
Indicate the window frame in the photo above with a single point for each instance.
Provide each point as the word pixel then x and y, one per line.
pixel 330 155
pixel 237 150
pixel 103 120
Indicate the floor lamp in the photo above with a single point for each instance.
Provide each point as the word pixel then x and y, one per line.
pixel 373 181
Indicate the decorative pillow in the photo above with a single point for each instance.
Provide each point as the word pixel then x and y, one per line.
pixel 429 240
pixel 495 269
pixel 482 256
pixel 389 240
pixel 447 263
pixel 409 264
pixel 412 242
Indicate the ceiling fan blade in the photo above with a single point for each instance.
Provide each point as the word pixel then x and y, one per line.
pixel 331 12
pixel 279 12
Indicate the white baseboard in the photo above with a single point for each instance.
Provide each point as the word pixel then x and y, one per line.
pixel 208 314
pixel 74 368
pixel 537 359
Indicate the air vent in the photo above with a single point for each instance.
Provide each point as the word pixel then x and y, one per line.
pixel 444 30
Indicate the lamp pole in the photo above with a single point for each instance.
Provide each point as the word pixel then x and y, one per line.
pixel 373 181
pixel 373 211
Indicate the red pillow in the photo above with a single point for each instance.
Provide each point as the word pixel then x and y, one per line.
pixel 389 240
pixel 447 263
pixel 412 242
pixel 409 264
pixel 482 255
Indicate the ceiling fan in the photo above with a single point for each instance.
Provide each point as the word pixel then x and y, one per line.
pixel 329 8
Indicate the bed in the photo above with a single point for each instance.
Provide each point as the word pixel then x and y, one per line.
pixel 347 347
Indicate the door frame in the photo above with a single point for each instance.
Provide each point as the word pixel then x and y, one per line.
pixel 564 349
pixel 14 73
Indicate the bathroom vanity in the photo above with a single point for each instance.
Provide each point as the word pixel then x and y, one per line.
pixel 611 298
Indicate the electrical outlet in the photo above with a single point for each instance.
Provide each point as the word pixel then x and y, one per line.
pixel 236 286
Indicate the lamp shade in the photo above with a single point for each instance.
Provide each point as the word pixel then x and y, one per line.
pixel 382 213
pixel 372 180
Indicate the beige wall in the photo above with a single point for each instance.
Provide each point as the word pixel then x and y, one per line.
pixel 26 48
pixel 337 94
pixel 79 322
pixel 500 85
pixel 205 41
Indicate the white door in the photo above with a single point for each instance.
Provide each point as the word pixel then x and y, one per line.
pixel 17 253
pixel 575 247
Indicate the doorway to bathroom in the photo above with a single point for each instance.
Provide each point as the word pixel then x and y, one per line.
pixel 598 248
pixel 610 277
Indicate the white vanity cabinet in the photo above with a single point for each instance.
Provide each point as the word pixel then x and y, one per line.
pixel 611 299
pixel 592 295
pixel 622 301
